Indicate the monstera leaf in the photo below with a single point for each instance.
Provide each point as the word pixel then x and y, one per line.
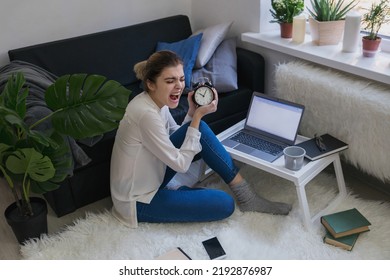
pixel 29 162
pixel 86 105
pixel 14 95
pixel 61 157
pixel 32 165
pixel 13 130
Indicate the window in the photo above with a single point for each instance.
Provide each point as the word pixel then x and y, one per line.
pixel 366 4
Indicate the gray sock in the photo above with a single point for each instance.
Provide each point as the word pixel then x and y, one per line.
pixel 248 200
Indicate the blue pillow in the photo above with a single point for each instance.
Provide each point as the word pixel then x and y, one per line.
pixel 188 51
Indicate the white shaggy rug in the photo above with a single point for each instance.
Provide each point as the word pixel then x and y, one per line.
pixel 243 235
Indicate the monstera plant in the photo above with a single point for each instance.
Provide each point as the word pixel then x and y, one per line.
pixel 36 157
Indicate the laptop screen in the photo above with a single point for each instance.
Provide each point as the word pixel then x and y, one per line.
pixel 274 117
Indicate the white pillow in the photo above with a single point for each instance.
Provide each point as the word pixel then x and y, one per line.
pixel 212 37
pixel 221 69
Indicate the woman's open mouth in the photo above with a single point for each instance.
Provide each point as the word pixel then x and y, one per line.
pixel 174 97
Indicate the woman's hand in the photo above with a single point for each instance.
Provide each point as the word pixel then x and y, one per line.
pixel 191 104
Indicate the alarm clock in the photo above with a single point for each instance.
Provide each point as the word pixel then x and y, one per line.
pixel 203 93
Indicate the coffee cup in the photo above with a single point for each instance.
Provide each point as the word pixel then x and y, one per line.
pixel 293 157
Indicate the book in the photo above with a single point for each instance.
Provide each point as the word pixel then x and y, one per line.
pixel 345 242
pixel 345 223
pixel 332 145
pixel 174 254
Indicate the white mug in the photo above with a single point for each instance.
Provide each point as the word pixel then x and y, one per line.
pixel 293 157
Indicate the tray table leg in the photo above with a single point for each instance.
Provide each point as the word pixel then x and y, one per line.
pixel 308 220
pixel 340 177
pixel 304 205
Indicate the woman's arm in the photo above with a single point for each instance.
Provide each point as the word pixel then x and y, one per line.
pixel 155 138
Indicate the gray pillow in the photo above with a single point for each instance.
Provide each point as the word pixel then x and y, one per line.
pixel 221 69
pixel 212 37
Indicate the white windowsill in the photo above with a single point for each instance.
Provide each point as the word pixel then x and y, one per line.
pixel 377 68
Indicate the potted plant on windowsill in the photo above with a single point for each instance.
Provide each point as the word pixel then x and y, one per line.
pixel 283 12
pixel 36 157
pixel 327 20
pixel 373 20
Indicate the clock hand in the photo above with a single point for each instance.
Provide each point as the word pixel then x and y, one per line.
pixel 200 93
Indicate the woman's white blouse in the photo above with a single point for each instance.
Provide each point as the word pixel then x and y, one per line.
pixel 141 153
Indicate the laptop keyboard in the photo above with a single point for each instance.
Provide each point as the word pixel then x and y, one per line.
pixel 257 143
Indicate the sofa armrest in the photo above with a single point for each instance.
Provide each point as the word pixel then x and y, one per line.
pixel 250 70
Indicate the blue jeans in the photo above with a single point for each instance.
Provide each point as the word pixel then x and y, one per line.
pixel 193 204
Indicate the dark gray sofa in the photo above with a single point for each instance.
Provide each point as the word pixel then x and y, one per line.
pixel 113 54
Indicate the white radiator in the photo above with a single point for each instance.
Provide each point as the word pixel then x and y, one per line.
pixel 353 109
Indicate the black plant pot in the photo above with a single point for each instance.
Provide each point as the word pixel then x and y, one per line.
pixel 28 227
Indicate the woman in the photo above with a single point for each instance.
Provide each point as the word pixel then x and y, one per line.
pixel 150 148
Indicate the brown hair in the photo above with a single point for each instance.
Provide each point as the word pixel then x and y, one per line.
pixel 149 70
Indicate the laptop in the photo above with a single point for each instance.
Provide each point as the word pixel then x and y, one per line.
pixel 270 126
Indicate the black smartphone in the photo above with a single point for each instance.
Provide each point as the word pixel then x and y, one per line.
pixel 214 248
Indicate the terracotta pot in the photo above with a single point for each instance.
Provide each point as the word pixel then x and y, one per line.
pixel 286 29
pixel 326 32
pixel 370 47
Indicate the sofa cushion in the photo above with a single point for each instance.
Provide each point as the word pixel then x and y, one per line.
pixel 212 37
pixel 221 69
pixel 188 51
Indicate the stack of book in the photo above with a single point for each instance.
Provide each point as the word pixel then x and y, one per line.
pixel 343 228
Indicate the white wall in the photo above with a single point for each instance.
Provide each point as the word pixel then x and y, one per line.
pixel 29 22
pixel 244 13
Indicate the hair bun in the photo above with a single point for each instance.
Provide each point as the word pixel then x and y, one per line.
pixel 139 70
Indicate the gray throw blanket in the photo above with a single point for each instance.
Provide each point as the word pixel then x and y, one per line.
pixel 38 80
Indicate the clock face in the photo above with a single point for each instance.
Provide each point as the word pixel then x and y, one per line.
pixel 203 95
